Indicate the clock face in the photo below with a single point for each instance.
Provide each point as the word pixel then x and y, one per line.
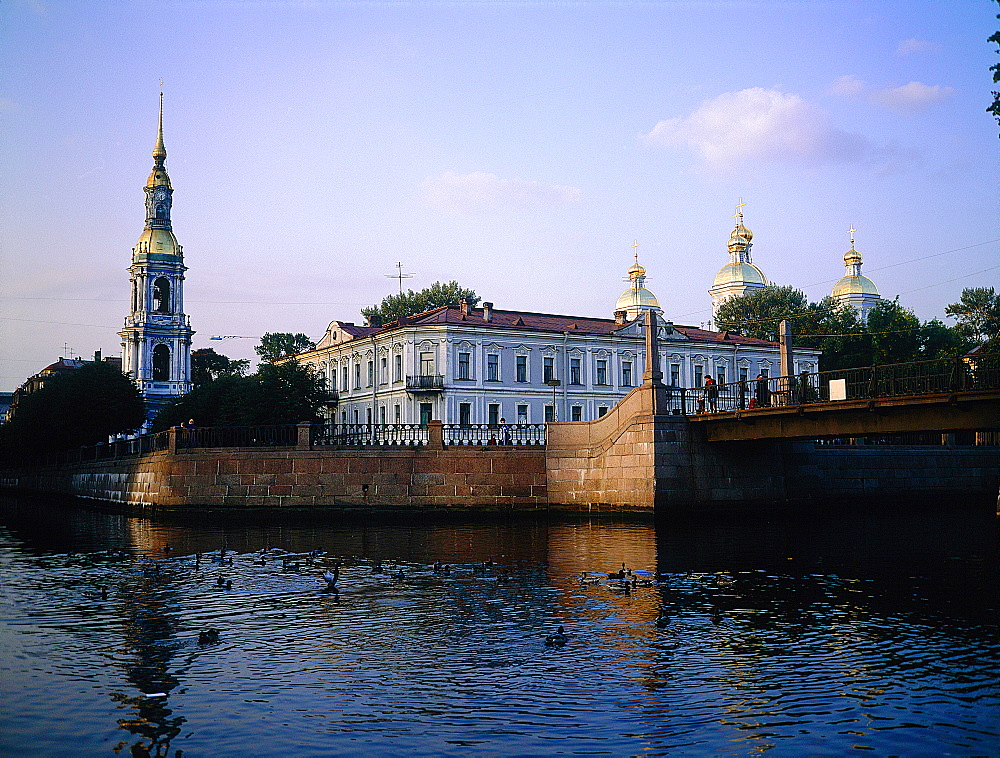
pixel 160 194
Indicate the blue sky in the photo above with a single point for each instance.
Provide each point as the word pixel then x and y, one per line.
pixel 518 147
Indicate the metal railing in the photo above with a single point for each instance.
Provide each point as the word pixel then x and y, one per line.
pixel 493 434
pixel 278 435
pixel 425 383
pixel 355 435
pixel 934 377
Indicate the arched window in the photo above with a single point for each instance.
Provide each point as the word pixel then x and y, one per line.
pixel 161 295
pixel 161 363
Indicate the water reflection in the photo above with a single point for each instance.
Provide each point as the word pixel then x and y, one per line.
pixel 822 631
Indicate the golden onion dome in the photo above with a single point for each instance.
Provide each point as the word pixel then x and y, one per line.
pixel 740 273
pixel 854 284
pixel 852 257
pixel 155 243
pixel 741 236
pixel 636 297
pixel 636 271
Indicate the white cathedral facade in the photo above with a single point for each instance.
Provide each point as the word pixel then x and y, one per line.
pixel 156 338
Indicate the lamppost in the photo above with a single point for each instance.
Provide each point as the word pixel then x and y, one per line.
pixel 554 383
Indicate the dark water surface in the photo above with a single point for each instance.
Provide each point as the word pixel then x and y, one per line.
pixel 824 633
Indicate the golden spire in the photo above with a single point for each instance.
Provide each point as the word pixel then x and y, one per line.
pixel 159 151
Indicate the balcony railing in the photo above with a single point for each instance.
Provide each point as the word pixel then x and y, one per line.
pixel 433 383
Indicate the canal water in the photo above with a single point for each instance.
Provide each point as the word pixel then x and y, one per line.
pixel 824 632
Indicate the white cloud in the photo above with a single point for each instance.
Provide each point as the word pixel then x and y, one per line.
pixel 847 86
pixel 911 97
pixel 471 193
pixel 758 125
pixel 911 46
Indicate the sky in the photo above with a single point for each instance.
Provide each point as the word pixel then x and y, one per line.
pixel 520 148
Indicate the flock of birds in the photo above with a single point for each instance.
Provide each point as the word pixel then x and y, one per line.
pixel 622 582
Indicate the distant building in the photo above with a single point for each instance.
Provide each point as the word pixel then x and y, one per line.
pixel 854 289
pixel 740 275
pixel 37 381
pixel 466 365
pixel 156 339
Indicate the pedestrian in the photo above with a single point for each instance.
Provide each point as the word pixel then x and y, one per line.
pixel 763 393
pixel 504 432
pixel 712 394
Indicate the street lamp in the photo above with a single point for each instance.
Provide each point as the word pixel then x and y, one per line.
pixel 554 383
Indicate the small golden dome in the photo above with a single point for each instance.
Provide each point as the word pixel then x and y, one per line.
pixel 634 298
pixel 636 271
pixel 852 256
pixel 740 237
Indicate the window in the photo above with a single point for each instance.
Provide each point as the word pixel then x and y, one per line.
pixel 397 368
pixel 494 414
pixel 743 373
pixel 357 376
pixel 765 371
pixel 343 378
pixel 574 371
pixel 463 366
pixel 576 413
pixel 161 295
pixel 547 373
pixel 368 416
pixel 626 373
pixel 549 413
pixel 465 414
pixel 720 374
pixel 397 414
pixel 371 373
pixel 356 419
pixel 161 363
pixel 522 414
pixel 381 414
pixel 699 376
pixel 426 411
pixel 602 372
pixel 493 368
pixel 427 364
pixel 521 369
pixel 675 375
pixel 343 417
pixel 383 372
pixel 602 411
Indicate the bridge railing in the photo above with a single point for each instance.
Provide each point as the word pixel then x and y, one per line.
pixel 275 435
pixel 369 435
pixel 944 375
pixel 493 434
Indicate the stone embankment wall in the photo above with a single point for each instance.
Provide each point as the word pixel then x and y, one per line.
pixel 429 476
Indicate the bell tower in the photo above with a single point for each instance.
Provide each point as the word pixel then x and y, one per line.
pixel 156 338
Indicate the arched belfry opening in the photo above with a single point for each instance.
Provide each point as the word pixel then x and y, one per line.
pixel 161 295
pixel 161 363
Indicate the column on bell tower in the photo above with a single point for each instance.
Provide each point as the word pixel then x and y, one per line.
pixel 156 339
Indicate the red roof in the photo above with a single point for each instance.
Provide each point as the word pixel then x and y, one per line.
pixel 543 322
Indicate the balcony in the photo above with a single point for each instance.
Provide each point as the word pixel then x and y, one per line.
pixel 424 383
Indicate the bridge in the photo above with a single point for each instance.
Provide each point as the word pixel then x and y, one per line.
pixel 945 395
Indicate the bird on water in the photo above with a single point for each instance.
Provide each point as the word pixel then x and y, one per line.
pixel 558 639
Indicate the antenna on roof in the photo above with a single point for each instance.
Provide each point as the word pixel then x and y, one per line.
pixel 401 276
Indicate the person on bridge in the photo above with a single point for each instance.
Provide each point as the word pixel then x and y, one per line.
pixel 763 392
pixel 712 394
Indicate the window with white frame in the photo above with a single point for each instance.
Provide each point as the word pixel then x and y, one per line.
pixel 574 371
pixel 522 414
pixel 627 374
pixel 397 368
pixel 357 375
pixel 493 367
pixel 371 373
pixel 547 370
pixel 493 413
pixel 463 365
pixel 675 375
pixel 383 376
pixel 699 376
pixel 521 368
pixel 427 364
pixel 602 372
pixel 576 413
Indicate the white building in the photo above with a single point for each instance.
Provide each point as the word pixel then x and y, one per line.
pixel 466 365
pixel 156 338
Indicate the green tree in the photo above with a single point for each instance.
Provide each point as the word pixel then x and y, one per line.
pixel 277 394
pixel 758 312
pixel 838 331
pixel 276 345
pixel 894 332
pixel 80 407
pixel 938 340
pixel 977 314
pixel 208 365
pixel 394 307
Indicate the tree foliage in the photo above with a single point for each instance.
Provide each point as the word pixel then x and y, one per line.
pixel 81 407
pixel 208 365
pixel 892 333
pixel 408 303
pixel 287 393
pixel 977 314
pixel 276 345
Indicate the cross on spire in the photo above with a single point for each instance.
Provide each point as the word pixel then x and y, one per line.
pixel 739 211
pixel 635 249
pixel 851 231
